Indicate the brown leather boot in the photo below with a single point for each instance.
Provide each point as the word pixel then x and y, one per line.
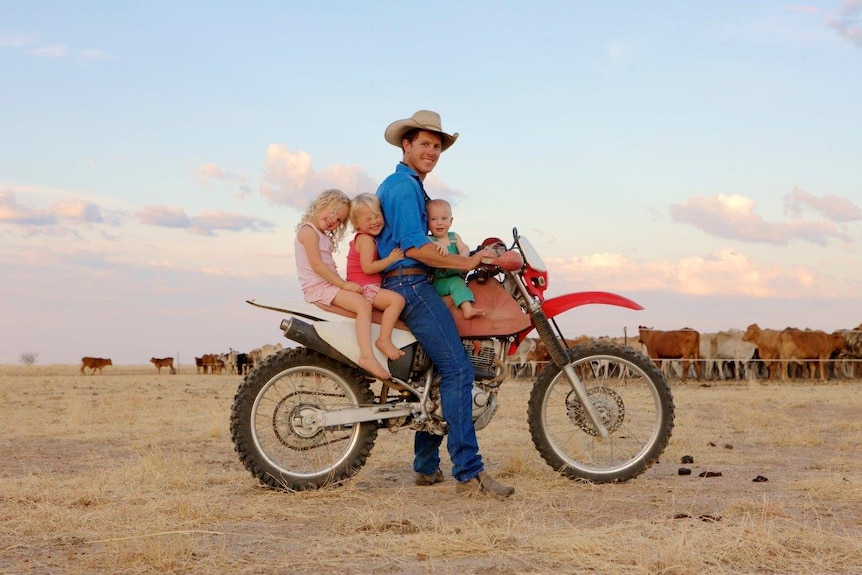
pixel 420 479
pixel 484 484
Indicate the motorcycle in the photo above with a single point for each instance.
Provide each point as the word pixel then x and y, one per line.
pixel 308 417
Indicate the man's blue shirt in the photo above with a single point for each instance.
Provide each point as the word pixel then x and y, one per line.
pixel 402 198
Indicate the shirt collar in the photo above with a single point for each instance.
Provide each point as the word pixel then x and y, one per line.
pixel 402 167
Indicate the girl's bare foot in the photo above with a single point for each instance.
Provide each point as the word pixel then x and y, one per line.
pixel 372 366
pixel 470 312
pixel 388 348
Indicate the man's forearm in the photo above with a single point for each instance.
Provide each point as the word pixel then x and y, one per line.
pixel 429 256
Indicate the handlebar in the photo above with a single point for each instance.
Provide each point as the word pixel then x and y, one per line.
pixel 508 261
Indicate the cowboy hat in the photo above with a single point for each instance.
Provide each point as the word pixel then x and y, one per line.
pixel 423 120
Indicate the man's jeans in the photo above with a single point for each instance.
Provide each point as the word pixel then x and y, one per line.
pixel 432 324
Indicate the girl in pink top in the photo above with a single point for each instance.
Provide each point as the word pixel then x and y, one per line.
pixel 364 267
pixel 318 233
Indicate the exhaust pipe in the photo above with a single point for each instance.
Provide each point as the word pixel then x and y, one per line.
pixel 304 334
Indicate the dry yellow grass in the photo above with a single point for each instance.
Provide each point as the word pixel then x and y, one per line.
pixel 134 472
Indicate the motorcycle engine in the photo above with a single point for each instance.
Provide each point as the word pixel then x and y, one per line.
pixel 483 353
pixel 484 406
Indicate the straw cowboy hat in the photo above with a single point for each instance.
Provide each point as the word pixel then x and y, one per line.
pixel 424 120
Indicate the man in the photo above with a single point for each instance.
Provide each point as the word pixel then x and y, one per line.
pixel 402 197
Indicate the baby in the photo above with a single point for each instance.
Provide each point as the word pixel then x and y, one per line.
pixel 446 281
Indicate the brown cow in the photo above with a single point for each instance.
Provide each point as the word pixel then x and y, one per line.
pixel 209 363
pixel 798 345
pixel 164 362
pixel 94 363
pixel 681 344
pixel 767 342
pixel 539 357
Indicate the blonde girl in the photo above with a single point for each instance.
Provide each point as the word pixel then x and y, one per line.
pixel 319 231
pixel 364 268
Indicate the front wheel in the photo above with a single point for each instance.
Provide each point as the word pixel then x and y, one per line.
pixel 633 400
pixel 273 425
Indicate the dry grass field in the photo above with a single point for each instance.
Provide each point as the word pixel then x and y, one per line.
pixel 134 472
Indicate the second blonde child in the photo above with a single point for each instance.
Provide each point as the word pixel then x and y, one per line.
pixel 364 268
pixel 318 234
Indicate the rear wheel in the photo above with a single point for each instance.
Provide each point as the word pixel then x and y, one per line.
pixel 273 429
pixel 633 400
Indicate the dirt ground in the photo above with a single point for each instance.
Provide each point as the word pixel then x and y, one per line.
pixel 135 472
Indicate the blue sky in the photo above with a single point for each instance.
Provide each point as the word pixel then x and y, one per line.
pixel 155 157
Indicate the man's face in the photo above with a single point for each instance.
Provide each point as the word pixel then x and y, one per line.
pixel 422 153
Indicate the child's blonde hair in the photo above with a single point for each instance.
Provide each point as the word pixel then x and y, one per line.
pixel 370 201
pixel 328 199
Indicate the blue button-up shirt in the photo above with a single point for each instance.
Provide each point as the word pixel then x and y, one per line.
pixel 402 198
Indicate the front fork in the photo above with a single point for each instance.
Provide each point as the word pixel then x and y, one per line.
pixel 561 359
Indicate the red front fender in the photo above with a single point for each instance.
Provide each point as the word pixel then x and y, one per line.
pixel 557 305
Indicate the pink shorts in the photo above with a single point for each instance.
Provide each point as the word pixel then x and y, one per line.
pixel 370 291
pixel 321 293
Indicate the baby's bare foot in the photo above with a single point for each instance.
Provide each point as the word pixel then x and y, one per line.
pixel 471 312
pixel 372 366
pixel 388 348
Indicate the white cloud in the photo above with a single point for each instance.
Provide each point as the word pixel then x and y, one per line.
pixel 79 210
pixel 51 51
pixel 847 24
pixel 734 217
pixel 802 8
pixel 832 207
pixel 290 180
pixel 206 224
pixel 12 212
pixel 851 8
pixel 51 219
pixel 436 188
pixel 164 216
pixel 95 55
pixel 31 45
pixel 725 272
pixel 211 171
pixel 21 41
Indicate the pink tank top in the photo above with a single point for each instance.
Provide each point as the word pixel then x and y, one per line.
pixel 354 267
pixel 307 276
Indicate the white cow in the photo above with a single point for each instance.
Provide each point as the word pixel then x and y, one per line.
pixel 707 355
pixel 518 361
pixel 258 354
pixel 728 347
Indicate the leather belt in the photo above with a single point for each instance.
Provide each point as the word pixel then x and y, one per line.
pixel 407 272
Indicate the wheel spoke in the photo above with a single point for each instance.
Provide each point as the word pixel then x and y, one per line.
pixel 630 397
pixel 275 421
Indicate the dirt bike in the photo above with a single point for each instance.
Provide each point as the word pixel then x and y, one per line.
pixel 307 417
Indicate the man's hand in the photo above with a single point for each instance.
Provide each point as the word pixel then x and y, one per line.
pixel 483 256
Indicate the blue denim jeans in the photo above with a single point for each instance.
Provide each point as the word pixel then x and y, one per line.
pixel 432 324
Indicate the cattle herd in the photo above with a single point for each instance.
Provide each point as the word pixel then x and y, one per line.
pixel 758 353
pixel 232 362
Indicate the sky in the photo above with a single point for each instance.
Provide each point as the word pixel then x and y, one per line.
pixel 702 159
